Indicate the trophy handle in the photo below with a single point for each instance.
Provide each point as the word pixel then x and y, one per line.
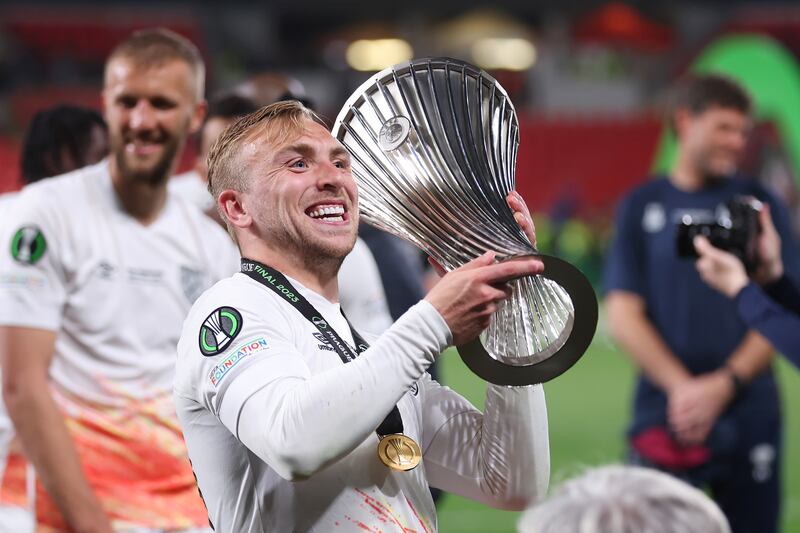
pixel 584 303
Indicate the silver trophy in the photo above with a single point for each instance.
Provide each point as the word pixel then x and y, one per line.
pixel 434 146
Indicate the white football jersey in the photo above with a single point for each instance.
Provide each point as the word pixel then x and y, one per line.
pixel 281 433
pixel 116 291
pixel 193 188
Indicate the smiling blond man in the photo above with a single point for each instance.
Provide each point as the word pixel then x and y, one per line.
pixel 101 266
pixel 294 421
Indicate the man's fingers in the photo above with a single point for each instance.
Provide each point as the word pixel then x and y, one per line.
pixel 437 267
pixel 512 269
pixel 703 246
pixel 522 215
pixel 519 204
pixel 480 261
pixel 765 218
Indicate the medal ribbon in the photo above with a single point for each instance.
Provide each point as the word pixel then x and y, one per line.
pixel 277 283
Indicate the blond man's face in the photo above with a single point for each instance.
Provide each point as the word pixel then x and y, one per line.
pixel 301 194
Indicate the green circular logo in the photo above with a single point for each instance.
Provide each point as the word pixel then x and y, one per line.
pixel 218 330
pixel 28 245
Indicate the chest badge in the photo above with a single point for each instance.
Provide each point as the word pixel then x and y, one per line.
pixel 219 329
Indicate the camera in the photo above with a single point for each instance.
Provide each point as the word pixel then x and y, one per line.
pixel 735 230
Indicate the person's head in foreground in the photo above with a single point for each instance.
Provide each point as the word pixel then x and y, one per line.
pixel 284 187
pixel 625 499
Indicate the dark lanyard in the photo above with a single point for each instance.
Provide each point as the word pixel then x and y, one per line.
pixel 277 282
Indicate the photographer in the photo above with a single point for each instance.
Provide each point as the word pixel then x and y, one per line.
pixel 770 302
pixel 706 403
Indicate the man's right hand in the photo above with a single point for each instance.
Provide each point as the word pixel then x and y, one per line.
pixel 468 296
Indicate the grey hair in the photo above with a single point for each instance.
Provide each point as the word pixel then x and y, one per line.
pixel 625 499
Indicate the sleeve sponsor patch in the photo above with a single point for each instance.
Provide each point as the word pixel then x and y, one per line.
pixel 258 344
pixel 219 330
pixel 28 245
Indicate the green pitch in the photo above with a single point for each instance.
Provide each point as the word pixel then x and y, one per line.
pixel 588 411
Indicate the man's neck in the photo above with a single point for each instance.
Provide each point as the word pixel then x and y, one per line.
pixel 685 175
pixel 143 201
pixel 320 277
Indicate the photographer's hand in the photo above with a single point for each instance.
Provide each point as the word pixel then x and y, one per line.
pixel 770 265
pixel 720 269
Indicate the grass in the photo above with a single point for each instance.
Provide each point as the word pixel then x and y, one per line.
pixel 588 410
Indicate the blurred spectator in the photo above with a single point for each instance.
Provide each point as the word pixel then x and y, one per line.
pixel 268 87
pixel 774 309
pixel 102 267
pixel 59 139
pixel 223 111
pixel 62 139
pixel 706 404
pixel 625 499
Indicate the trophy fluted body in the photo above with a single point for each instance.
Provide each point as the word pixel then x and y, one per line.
pixel 434 145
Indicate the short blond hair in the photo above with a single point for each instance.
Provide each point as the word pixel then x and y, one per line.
pixel 281 120
pixel 157 46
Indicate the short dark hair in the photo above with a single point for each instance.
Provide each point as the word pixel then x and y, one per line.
pixel 230 105
pixel 53 131
pixel 699 92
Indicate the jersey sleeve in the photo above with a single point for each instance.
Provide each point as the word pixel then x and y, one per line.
pixel 260 388
pixel 778 324
pixel 232 351
pixel 625 256
pixel 789 250
pixel 33 276
pixel 500 457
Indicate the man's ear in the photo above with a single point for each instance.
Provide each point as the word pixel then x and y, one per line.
pixel 681 120
pixel 233 210
pixel 198 115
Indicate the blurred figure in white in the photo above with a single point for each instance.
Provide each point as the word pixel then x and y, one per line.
pixel 59 139
pixel 223 111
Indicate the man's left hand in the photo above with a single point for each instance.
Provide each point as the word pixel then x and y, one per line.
pixel 522 215
pixel 694 406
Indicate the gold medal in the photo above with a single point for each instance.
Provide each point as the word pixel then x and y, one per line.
pixel 399 452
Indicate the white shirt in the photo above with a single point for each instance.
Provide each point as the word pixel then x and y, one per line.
pixel 361 291
pixel 193 188
pixel 115 291
pixel 281 434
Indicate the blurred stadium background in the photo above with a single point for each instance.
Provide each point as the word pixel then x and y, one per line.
pixel 588 78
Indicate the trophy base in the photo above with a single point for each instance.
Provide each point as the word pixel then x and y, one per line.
pixel 584 322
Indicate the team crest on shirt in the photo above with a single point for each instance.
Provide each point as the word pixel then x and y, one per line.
pixel 28 245
pixel 218 330
pixel 654 217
